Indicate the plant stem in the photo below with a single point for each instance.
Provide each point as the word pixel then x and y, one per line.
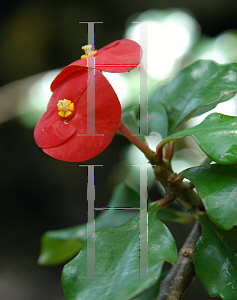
pixel 136 141
pixel 183 273
pixel 159 152
pixel 169 151
pixel 166 201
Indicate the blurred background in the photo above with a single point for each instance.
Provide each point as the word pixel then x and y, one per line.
pixel 39 193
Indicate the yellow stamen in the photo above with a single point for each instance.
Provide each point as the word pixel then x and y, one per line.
pixel 88 52
pixel 65 107
pixel 61 113
pixel 68 113
pixel 71 106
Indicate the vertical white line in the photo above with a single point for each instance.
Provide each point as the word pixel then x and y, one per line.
pixel 143 79
pixel 143 221
pixel 143 97
pixel 91 82
pixel 143 238
pixel 90 221
pixel 90 224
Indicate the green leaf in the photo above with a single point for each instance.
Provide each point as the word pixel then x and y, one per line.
pixel 58 246
pixel 157 118
pixel 216 136
pixel 215 260
pixel 153 291
pixel 169 214
pixel 130 121
pixel 55 251
pixel 201 84
pixel 217 187
pixel 117 261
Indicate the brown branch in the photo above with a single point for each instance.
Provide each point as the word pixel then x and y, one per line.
pixel 167 200
pixel 174 186
pixel 169 151
pixel 183 273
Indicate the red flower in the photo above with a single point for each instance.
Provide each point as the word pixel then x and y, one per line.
pixel 62 130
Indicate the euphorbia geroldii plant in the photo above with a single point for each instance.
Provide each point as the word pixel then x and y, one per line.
pixel 62 130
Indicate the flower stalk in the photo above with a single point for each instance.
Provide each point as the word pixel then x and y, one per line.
pixel 136 141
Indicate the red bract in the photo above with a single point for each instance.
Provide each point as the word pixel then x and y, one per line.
pixel 61 131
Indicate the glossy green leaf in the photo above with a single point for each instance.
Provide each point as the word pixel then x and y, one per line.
pixel 58 246
pixel 169 214
pixel 215 260
pixel 130 121
pixel 153 291
pixel 216 136
pixel 217 186
pixel 117 261
pixel 201 84
pixel 157 119
pixel 55 251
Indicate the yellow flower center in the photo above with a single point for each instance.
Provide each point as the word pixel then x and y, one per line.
pixel 65 107
pixel 88 52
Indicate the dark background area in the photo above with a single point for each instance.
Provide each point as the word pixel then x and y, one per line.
pixel 39 193
pixel 44 35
